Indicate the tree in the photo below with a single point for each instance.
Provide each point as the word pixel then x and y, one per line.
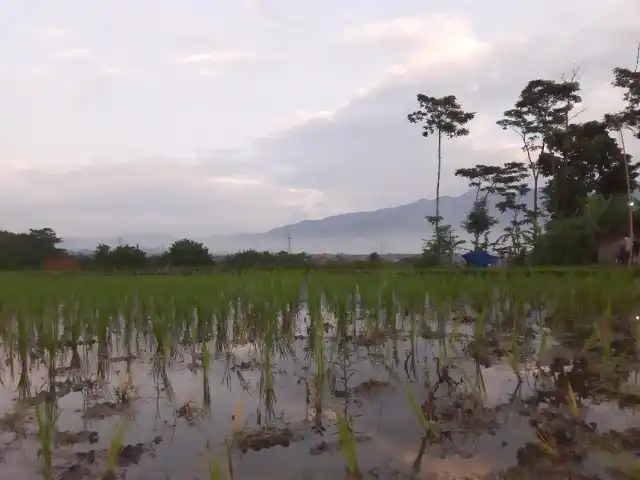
pixel 121 257
pixel 442 117
pixel 188 253
pixel 478 222
pixel 481 177
pixel 629 80
pixel 575 240
pixel 29 250
pixel 45 235
pixel 542 108
pixel 127 256
pixel 593 164
pixel 629 118
pixel 102 256
pixel 511 186
pixel 442 244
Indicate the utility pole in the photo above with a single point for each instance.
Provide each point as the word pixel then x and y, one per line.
pixel 289 242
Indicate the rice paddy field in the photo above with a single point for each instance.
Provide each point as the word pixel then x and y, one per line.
pixel 290 375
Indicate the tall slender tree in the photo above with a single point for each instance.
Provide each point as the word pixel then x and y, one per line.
pixel 628 118
pixel 542 108
pixel 478 221
pixel 443 117
pixel 511 186
pixel 629 81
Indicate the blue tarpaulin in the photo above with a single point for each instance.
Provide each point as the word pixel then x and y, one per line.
pixel 480 259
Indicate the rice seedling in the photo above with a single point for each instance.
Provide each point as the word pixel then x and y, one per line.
pixel 215 472
pixel 214 467
pixel 206 362
pixel 238 418
pixel 115 446
pixel 547 443
pixel 47 417
pixel 348 447
pixel 229 459
pixel 417 411
pixel 475 387
pixel 542 348
pixel 572 402
pixel 513 355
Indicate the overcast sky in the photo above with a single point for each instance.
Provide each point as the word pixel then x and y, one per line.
pixel 198 117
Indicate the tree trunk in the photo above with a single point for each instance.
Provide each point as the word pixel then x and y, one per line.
pixel 535 204
pixel 437 225
pixel 629 198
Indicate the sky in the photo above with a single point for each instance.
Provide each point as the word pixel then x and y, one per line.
pixel 210 117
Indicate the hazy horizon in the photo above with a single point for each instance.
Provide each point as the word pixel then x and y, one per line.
pixel 396 229
pixel 264 231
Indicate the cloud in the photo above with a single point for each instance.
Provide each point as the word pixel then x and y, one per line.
pixel 53 33
pixel 240 180
pixel 222 60
pixel 34 72
pixel 73 54
pixel 302 117
pixel 406 29
pixel 148 195
pixel 265 11
pixel 431 43
pixel 49 34
pixel 116 72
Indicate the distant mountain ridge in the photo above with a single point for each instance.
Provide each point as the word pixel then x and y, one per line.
pixel 399 229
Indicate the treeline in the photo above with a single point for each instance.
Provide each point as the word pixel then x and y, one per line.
pixel 579 174
pixel 40 250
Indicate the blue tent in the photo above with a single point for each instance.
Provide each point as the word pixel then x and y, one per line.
pixel 480 259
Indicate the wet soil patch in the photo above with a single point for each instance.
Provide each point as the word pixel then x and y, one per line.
pixel 105 409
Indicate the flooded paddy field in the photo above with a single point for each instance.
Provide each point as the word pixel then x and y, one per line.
pixel 314 376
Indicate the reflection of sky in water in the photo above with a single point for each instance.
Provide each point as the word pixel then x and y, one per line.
pixel 384 415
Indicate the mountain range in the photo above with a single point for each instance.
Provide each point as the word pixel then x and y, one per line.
pixel 398 229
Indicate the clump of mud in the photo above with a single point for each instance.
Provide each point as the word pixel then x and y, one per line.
pixel 335 446
pixel 91 464
pixel 368 387
pixel 104 410
pixel 270 436
pixel 191 412
pixel 71 438
pixel 568 447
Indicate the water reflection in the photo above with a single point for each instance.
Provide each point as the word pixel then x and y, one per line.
pixel 261 380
